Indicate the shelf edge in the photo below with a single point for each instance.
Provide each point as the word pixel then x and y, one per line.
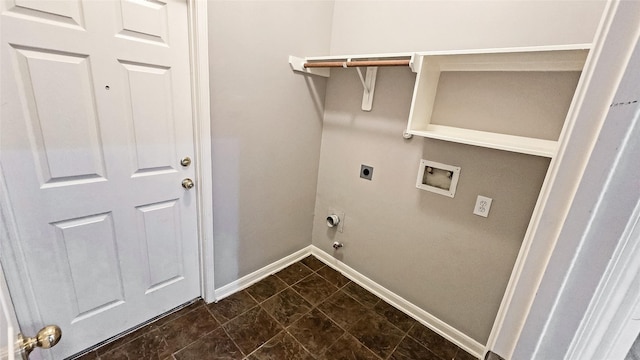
pixel 537 147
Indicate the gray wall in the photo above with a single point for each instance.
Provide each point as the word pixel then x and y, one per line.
pixel 368 26
pixel 266 129
pixel 427 248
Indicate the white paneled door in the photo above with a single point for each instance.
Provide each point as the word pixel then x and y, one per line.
pixel 96 117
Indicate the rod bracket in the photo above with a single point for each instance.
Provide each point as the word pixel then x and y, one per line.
pixel 297 64
pixel 415 63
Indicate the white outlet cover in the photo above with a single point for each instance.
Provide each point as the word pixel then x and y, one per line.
pixel 483 205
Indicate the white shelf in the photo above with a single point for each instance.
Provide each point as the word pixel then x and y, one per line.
pixel 546 96
pixel 470 129
pixel 361 57
pixel 518 144
pixel 406 55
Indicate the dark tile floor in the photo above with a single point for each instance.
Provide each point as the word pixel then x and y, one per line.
pixel 306 311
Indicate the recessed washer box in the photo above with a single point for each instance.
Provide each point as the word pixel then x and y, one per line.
pixel 438 178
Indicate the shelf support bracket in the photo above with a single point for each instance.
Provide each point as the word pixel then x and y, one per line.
pixel 368 79
pixel 362 80
pixel 369 84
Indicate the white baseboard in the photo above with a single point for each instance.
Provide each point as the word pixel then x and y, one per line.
pixel 248 280
pixel 445 330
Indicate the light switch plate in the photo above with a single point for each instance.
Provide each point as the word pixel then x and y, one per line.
pixel 483 205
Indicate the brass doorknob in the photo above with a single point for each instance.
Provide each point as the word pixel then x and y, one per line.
pixel 187 183
pixel 47 337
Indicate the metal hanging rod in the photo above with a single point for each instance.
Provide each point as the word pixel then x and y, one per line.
pixel 346 64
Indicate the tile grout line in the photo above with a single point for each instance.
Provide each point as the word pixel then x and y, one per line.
pixel 315 356
pixel 306 313
pixel 222 324
pixel 143 326
pixel 235 317
pixel 426 347
pixel 234 342
pixel 372 309
pixel 346 332
pixel 200 336
pixel 196 340
pixel 259 304
pixel 406 334
pixel 286 328
pixel 302 345
pixel 396 347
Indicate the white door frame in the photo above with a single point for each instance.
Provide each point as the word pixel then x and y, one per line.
pixel 613 45
pixel 199 57
pixel 31 320
pixel 612 322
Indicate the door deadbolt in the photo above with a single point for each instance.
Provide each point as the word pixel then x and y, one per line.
pixel 187 183
pixel 186 161
pixel 46 338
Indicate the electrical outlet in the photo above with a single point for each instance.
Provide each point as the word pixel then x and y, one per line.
pixel 483 205
pixel 366 172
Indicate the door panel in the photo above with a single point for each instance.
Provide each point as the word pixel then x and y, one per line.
pixel 91 239
pixel 144 20
pixel 159 226
pixel 97 117
pixel 149 88
pixel 65 12
pixel 58 162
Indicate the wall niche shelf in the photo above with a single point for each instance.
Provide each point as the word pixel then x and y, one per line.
pixel 511 99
